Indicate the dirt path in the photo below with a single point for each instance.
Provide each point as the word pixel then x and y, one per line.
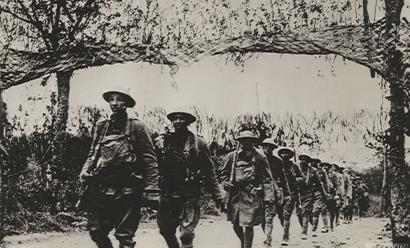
pixel 216 232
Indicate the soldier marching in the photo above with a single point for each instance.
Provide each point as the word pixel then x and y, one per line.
pixel 125 170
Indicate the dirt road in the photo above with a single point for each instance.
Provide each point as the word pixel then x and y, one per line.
pixel 216 232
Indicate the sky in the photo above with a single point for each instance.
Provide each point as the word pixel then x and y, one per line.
pixel 268 82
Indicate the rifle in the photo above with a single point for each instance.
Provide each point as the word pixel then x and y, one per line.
pixel 297 184
pixel 231 176
pixel 85 188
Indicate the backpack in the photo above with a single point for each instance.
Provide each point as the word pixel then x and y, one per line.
pixel 116 153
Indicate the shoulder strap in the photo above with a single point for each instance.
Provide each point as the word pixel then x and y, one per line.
pixel 235 160
pixel 307 176
pixel 192 142
pixel 104 132
pixel 127 129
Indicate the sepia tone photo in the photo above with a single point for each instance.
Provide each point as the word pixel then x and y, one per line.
pixel 204 123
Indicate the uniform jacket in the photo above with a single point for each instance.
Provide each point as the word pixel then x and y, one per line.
pixel 334 183
pixel 184 162
pixel 292 172
pixel 348 185
pixel 245 201
pixel 278 173
pixel 311 181
pixel 324 178
pixel 146 163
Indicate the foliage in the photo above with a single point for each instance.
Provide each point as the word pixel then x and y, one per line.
pixel 33 190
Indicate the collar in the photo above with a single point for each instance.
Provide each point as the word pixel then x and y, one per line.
pixel 118 117
pixel 252 151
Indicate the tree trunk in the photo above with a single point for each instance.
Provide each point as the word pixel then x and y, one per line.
pixel 3 161
pixel 63 85
pixel 397 169
pixel 57 164
pixel 400 215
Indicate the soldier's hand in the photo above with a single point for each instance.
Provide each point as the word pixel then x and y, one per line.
pixel 228 186
pixel 287 199
pixel 84 177
pixel 152 199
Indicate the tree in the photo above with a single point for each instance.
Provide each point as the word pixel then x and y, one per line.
pixel 52 27
pixel 181 32
pixel 397 169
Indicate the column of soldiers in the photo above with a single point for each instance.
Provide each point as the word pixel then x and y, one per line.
pixel 125 170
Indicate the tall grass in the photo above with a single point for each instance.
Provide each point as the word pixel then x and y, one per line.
pixel 33 188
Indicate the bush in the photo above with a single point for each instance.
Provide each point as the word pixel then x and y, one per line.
pixel 38 191
pixel 374 209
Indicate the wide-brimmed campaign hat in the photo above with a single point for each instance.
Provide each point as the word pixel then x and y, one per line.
pixel 125 92
pixel 315 160
pixel 324 164
pixel 247 135
pixel 184 111
pixel 286 150
pixel 304 157
pixel 269 141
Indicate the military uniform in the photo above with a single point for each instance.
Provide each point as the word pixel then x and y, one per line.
pixel 281 188
pixel 280 183
pixel 293 174
pixel 320 202
pixel 251 174
pixel 347 197
pixel 247 178
pixel 334 192
pixel 184 160
pixel 311 189
pixel 339 195
pixel 122 165
pixel 363 199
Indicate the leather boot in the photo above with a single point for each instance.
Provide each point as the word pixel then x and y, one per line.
pixel 325 223
pixel 286 225
pixel 305 227
pixel 300 218
pixel 248 238
pixel 268 235
pixel 127 244
pixel 172 241
pixel 102 241
pixel 315 222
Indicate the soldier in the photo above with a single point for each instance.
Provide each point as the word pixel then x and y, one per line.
pixel 334 191
pixel 355 198
pixel 308 186
pixel 341 195
pixel 348 194
pixel 120 166
pixel 324 177
pixel 184 159
pixel 363 198
pixel 278 174
pixel 320 196
pixel 293 175
pixel 247 178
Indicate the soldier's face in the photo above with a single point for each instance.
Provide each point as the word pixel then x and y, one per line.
pixel 117 102
pixel 304 162
pixel 247 144
pixel 267 149
pixel 180 122
pixel 285 156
